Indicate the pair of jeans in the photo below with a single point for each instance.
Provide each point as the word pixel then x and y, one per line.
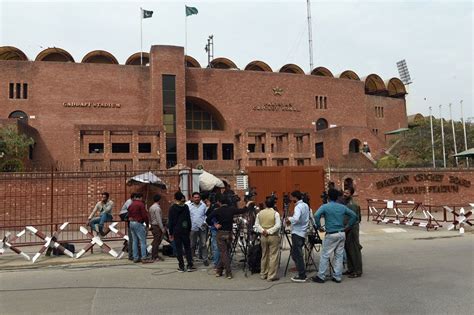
pixel 199 239
pixel 182 240
pixel 224 242
pixel 297 254
pixel 100 220
pixel 157 238
pixel 216 256
pixel 332 243
pixel 138 235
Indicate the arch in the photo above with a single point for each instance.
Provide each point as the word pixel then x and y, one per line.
pixel 354 146
pixel 291 68
pixel 134 60
pixel 322 71
pixel 99 56
pixel 54 54
pixel 348 183
pixel 223 63
pixel 374 85
pixel 321 124
pixel 191 62
pixel 18 114
pixel 396 88
pixel 12 53
pixel 258 65
pixel 201 115
pixel 350 75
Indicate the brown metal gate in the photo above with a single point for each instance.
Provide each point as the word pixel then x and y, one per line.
pixel 285 179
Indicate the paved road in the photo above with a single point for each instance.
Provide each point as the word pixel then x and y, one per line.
pixel 406 271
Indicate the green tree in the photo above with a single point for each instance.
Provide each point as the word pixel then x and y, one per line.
pixel 414 148
pixel 14 148
pixel 389 161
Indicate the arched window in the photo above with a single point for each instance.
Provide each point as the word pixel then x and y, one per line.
pixel 348 183
pixel 18 114
pixel 354 146
pixel 321 124
pixel 197 118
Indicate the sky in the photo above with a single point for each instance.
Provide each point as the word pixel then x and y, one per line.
pixel 434 37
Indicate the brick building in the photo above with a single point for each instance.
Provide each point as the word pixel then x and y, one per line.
pixel 97 114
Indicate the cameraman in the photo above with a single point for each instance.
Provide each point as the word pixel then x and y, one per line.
pixel 268 225
pixel 299 225
pixel 231 198
pixel 223 216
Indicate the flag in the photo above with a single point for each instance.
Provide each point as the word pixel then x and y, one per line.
pixel 191 10
pixel 147 14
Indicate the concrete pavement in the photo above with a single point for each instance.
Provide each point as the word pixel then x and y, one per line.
pixel 406 270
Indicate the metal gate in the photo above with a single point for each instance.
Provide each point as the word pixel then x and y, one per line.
pixel 285 179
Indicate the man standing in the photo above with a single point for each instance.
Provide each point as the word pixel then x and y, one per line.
pixel 268 225
pixel 179 227
pixel 104 209
pixel 352 244
pixel 124 217
pixel 137 216
pixel 197 209
pixel 299 225
pixel 224 218
pixel 333 242
pixel 157 228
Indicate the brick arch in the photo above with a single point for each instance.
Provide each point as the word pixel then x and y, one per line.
pixel 191 62
pixel 205 106
pixel 350 75
pixel 54 54
pixel 12 53
pixel 99 56
pixel 396 88
pixel 291 68
pixel 223 63
pixel 374 85
pixel 135 59
pixel 322 71
pixel 258 65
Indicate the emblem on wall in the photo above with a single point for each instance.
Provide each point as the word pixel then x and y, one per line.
pixel 277 91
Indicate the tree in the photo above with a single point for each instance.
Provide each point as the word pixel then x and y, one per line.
pixel 14 147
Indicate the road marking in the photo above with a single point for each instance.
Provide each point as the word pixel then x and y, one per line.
pixel 394 230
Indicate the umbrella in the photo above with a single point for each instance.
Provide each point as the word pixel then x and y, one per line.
pixel 468 153
pixel 147 178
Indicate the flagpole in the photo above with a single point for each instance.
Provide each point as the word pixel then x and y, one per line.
pixel 141 36
pixel 454 133
pixel 442 136
pixel 432 139
pixel 464 130
pixel 185 32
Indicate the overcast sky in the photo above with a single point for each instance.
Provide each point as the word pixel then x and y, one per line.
pixel 435 38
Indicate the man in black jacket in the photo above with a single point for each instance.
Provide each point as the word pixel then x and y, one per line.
pixel 223 215
pixel 179 227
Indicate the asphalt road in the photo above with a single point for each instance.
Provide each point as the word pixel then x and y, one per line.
pixel 408 271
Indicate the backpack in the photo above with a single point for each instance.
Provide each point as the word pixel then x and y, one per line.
pixel 254 258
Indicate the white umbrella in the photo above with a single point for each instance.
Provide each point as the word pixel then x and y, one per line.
pixel 147 178
pixel 207 181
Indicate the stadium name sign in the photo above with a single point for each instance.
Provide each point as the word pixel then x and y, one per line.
pixel 276 107
pixel 92 105
pixel 402 184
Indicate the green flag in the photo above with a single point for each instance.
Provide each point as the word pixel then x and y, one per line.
pixel 147 14
pixel 191 10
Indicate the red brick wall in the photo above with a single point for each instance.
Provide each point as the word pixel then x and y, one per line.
pixel 365 182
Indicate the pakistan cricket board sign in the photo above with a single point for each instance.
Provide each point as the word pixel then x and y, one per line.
pixel 427 183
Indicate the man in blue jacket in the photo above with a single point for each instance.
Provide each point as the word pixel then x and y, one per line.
pixel 333 242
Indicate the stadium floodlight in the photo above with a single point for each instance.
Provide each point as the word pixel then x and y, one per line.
pixel 403 72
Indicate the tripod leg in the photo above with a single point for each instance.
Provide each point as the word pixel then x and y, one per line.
pixel 289 256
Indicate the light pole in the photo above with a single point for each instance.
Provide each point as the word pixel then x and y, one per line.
pixel 442 136
pixel 432 139
pixel 454 133
pixel 464 130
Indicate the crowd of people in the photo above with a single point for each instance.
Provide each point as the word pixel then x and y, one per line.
pixel 190 222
